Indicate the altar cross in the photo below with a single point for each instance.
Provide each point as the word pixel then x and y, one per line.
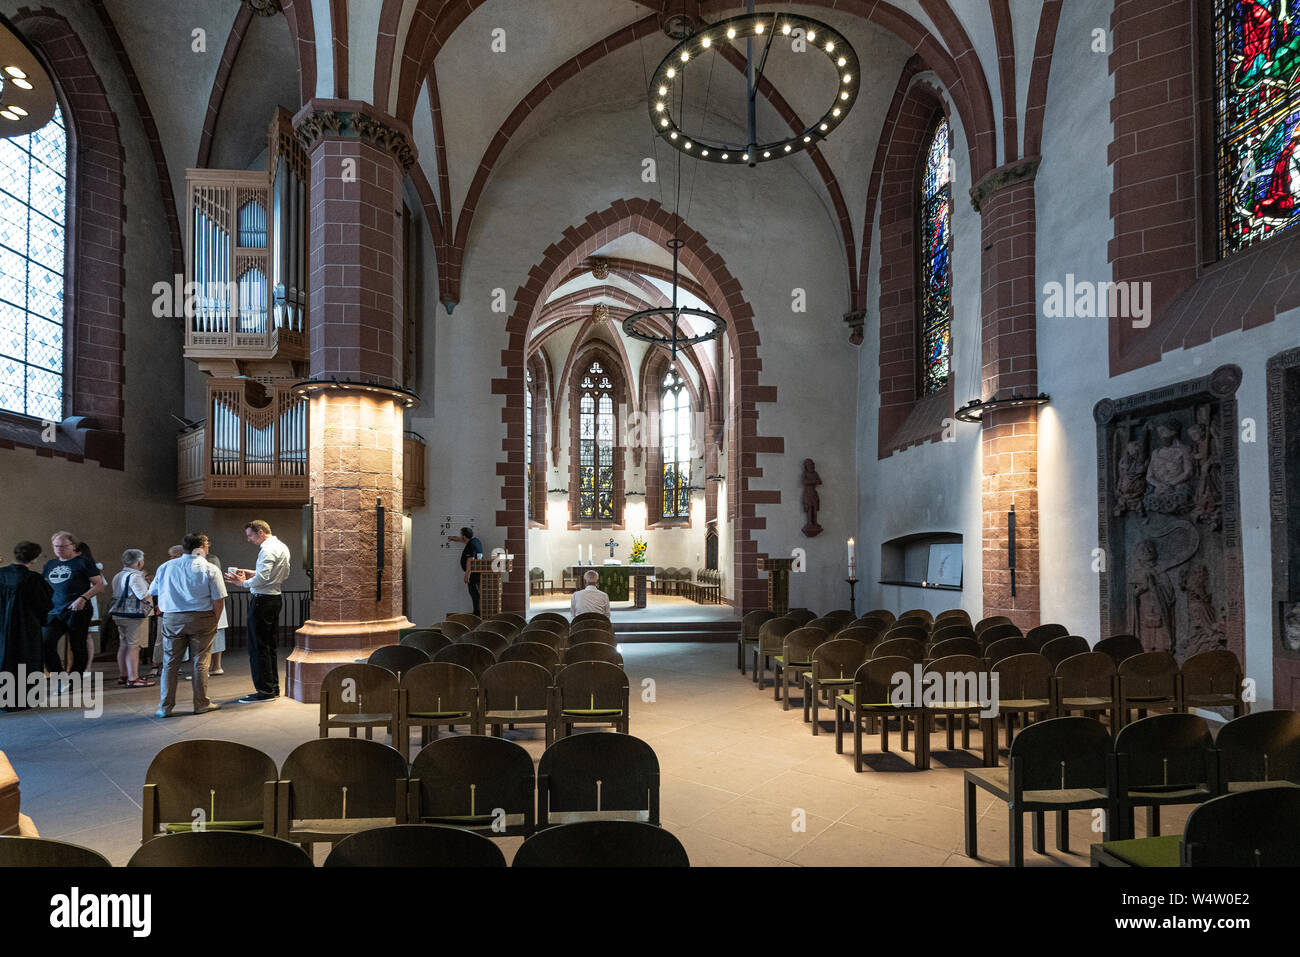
pixel 611 544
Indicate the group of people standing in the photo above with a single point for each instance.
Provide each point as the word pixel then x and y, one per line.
pixel 187 592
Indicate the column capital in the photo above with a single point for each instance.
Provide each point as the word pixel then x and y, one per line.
pixel 351 119
pixel 1008 174
pixel 264 8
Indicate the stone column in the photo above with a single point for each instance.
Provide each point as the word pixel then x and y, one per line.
pixel 357 158
pixel 1009 310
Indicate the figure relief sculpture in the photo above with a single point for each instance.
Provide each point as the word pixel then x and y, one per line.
pixel 1169 472
pixel 1204 629
pixel 1209 481
pixel 1151 600
pixel 1291 628
pixel 811 500
pixel 1131 479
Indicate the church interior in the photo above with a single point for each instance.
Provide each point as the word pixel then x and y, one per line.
pixel 651 432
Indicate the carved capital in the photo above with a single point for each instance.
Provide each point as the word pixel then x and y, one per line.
pixel 264 8
pixel 856 322
pixel 1006 175
pixel 319 124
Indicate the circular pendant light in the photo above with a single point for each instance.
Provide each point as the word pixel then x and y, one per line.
pixel 27 98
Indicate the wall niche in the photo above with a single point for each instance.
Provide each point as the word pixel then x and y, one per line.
pixel 1169 516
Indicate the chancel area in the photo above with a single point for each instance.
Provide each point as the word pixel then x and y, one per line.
pixel 650 432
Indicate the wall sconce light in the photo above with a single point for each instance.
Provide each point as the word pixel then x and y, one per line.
pixel 973 411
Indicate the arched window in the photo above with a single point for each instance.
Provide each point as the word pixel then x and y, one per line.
pixel 596 445
pixel 1257 57
pixel 33 227
pixel 675 441
pixel 528 441
pixel 936 263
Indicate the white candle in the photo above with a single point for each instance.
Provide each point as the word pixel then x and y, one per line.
pixel 591 560
pixel 579 554
pixel 850 558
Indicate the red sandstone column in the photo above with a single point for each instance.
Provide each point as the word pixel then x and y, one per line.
pixel 358 158
pixel 1009 310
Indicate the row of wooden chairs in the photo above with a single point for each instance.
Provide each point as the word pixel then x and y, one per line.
pixel 442 693
pixel 584 844
pixel 330 787
pixel 1069 763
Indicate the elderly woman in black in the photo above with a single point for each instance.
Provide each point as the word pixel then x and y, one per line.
pixel 25 600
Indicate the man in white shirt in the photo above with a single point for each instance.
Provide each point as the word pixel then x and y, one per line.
pixel 191 598
pixel 590 598
pixel 263 623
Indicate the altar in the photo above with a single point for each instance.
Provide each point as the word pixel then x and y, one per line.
pixel 615 580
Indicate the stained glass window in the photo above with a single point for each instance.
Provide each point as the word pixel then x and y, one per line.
pixel 936 263
pixel 596 444
pixel 528 439
pixel 33 205
pixel 675 440
pixel 1257 53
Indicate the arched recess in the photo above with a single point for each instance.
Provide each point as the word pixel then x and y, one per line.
pixel 651 220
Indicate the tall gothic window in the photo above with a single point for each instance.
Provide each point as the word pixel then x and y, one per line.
pixel 33 206
pixel 596 445
pixel 936 263
pixel 675 440
pixel 1257 57
pixel 528 440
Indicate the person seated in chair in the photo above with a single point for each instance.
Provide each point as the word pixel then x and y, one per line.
pixel 590 598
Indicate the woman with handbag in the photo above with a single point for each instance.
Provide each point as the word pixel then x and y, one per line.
pixel 132 606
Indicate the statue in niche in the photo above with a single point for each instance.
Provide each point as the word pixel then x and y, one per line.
pixel 1291 628
pixel 1208 500
pixel 811 500
pixel 1151 600
pixel 1131 479
pixel 1169 472
pixel 1204 629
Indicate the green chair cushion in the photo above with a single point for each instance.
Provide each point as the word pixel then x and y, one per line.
pixel 1147 851
pixel 183 827
pixel 593 712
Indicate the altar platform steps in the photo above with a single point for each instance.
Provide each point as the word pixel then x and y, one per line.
pixel 646 632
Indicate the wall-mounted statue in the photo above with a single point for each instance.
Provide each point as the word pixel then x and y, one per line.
pixel 811 500
pixel 1169 472
pixel 1208 497
pixel 1204 629
pixel 1131 478
pixel 1151 600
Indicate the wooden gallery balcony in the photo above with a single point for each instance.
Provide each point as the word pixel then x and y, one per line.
pixel 252 447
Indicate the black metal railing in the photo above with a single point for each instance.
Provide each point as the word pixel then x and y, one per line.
pixel 295 608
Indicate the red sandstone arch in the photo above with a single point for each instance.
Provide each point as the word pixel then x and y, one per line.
pixel 651 220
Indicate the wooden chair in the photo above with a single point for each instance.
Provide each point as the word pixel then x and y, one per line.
pixel 842 617
pixel 801 615
pixel 233 784
pixel 466 619
pixel 360 696
pixel 1007 647
pixel 1087 682
pixel 771 642
pixel 1042 634
pixel 954 675
pixel 452 629
pixel 953 615
pixel 912 622
pixel 1147 682
pixel 416 845
pixel 989 622
pixel 996 632
pixel 873 696
pixel 910 648
pixel 944 630
pixel 551 616
pixel 1248 829
pixel 918 613
pixel 505 629
pixel 592 651
pixel 427 640
pixel 593 616
pixel 1120 647
pixel 485 639
pixel 1161 760
pixel 541 636
pixel 825 624
pixel 748 636
pixel 538 583
pixel 1054 765
pixel 483 784
pixel 1213 679
pixel 397 658
pixel 1026 686
pixel 220 849
pixel 919 633
pixel 332 787
pixel 602 844
pixel 1260 750
pixel 1058 649
pixel 954 646
pixel 582 636
pixel 834 665
pixel 590 777
pixel 884 614
pixel 517 693
pixel 590 692
pixel 436 694
pixel 862 633
pixel 474 657
pixel 532 651
pixel 795 659
pixel 18 851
